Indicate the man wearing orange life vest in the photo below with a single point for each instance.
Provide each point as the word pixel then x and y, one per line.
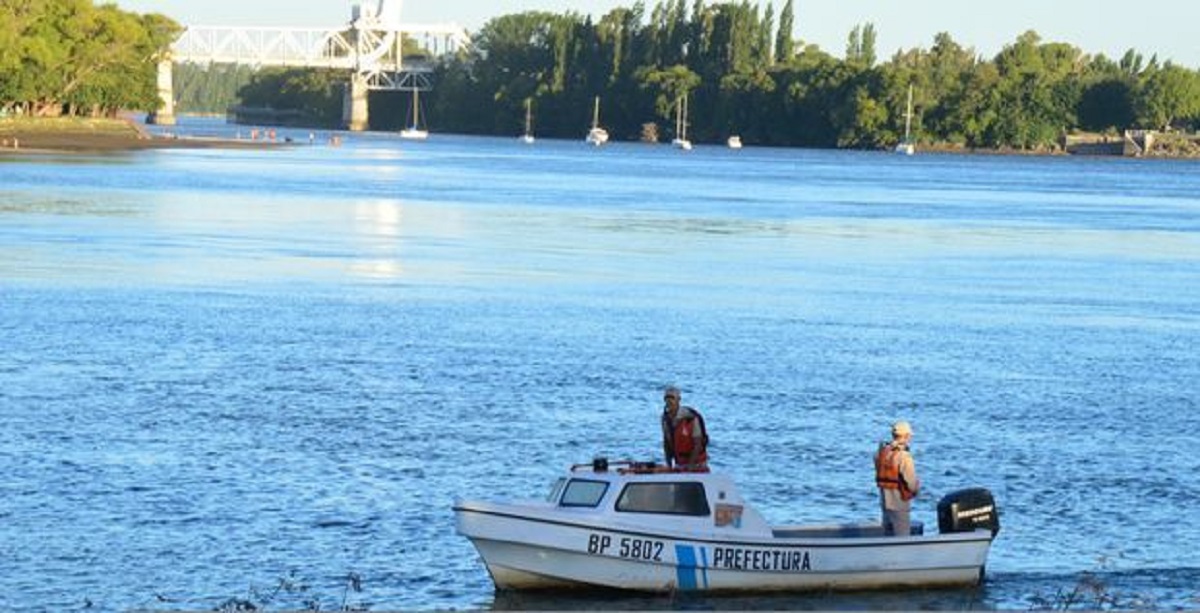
pixel 685 439
pixel 896 476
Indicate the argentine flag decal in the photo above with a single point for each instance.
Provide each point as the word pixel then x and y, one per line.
pixel 691 573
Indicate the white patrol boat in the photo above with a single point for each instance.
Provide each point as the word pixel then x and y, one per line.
pixel 638 526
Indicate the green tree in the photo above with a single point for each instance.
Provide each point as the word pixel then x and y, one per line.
pixel 764 53
pixel 315 96
pixel 860 45
pixel 785 45
pixel 814 86
pixel 209 89
pixel 1039 91
pixel 861 118
pixel 744 96
pixel 118 65
pixel 1108 92
pixel 670 86
pixel 71 56
pixel 1168 94
pixel 1107 105
pixel 974 112
pixel 947 68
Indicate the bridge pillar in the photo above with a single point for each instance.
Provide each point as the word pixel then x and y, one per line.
pixel 354 104
pixel 165 115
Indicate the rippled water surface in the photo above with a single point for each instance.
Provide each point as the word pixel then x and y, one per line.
pixel 264 376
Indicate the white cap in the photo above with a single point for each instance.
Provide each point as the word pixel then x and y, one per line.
pixel 901 428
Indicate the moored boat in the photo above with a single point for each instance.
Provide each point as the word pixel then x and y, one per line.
pixel 527 136
pixel 681 125
pixel 596 135
pixel 906 146
pixel 638 526
pixel 414 131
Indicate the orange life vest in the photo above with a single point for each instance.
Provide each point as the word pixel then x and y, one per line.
pixel 683 441
pixel 887 471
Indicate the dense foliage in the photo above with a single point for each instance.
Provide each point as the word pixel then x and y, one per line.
pixel 315 96
pixel 209 88
pixel 746 76
pixel 73 57
pixel 737 62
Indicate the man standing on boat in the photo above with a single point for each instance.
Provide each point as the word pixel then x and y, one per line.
pixel 896 476
pixel 685 439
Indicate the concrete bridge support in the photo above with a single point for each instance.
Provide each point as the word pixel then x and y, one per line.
pixel 165 115
pixel 354 104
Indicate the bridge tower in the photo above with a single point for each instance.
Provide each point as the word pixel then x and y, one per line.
pixel 370 48
pixel 165 115
pixel 389 12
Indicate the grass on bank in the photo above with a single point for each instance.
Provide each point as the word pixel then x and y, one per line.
pixel 67 125
pixel 86 135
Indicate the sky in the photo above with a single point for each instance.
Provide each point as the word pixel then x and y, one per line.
pixel 1168 28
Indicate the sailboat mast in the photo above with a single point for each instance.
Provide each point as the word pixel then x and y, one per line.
pixel 678 115
pixel 683 122
pixel 596 113
pixel 908 115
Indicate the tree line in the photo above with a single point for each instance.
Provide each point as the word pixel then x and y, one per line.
pixel 737 62
pixel 744 74
pixel 75 58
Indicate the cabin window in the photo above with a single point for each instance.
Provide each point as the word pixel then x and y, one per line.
pixel 583 493
pixel 556 489
pixel 669 498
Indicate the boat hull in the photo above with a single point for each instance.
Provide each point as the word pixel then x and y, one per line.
pixel 529 553
pixel 597 137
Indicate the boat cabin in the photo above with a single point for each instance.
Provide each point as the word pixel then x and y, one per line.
pixel 643 493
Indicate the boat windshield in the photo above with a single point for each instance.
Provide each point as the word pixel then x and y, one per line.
pixel 556 489
pixel 670 498
pixel 583 493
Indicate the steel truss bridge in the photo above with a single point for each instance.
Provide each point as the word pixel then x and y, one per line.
pixel 370 49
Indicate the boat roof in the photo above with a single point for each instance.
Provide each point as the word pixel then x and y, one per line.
pixel 631 470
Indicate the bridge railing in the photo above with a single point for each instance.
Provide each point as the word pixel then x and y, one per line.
pixel 370 48
pixel 316 48
pixel 369 51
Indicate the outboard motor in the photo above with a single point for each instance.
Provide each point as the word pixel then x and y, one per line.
pixel 968 510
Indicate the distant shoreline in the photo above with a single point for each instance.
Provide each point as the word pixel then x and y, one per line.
pixel 73 135
pixel 62 135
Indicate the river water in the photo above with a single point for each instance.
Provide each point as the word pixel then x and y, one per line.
pixel 264 376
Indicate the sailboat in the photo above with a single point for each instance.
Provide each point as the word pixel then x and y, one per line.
pixel 906 147
pixel 681 141
pixel 414 130
pixel 596 136
pixel 527 137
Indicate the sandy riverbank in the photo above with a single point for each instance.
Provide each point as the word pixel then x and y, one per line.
pixel 74 135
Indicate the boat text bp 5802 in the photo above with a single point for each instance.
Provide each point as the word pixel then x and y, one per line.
pixel 641 527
